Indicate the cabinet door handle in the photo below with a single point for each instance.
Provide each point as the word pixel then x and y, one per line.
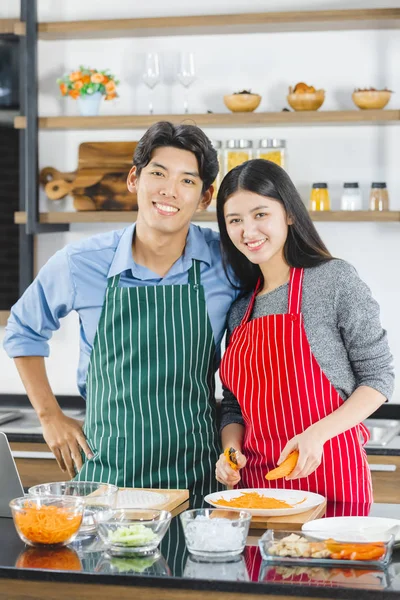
pixel 382 467
pixel 32 454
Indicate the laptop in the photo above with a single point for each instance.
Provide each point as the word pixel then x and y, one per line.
pixel 10 483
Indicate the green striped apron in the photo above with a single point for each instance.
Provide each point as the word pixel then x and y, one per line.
pixel 150 414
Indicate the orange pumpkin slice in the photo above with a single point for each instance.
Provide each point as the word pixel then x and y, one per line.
pixel 284 468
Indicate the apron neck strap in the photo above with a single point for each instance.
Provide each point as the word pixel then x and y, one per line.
pixel 113 282
pixel 295 290
pixel 247 314
pixel 193 276
pixel 194 273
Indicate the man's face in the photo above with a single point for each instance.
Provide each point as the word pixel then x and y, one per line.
pixel 169 190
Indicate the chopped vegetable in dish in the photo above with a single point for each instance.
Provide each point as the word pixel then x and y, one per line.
pixel 132 535
pixel 47 524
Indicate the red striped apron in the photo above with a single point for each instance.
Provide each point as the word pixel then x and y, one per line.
pixel 282 390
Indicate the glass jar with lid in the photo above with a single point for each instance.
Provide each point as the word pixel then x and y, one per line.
pixel 217 145
pixel 319 198
pixel 237 152
pixel 272 149
pixel 351 197
pixel 379 196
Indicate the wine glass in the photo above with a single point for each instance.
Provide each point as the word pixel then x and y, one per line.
pixel 186 74
pixel 151 75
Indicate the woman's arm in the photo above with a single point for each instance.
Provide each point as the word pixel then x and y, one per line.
pixel 360 405
pixel 358 320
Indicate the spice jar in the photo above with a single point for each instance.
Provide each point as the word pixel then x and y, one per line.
pixel 217 145
pixel 236 153
pixel 273 150
pixel 319 198
pixel 351 197
pixel 379 197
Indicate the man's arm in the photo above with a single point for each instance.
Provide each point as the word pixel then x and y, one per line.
pixel 63 435
pixel 31 324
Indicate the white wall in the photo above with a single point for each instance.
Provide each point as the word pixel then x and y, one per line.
pixel 268 64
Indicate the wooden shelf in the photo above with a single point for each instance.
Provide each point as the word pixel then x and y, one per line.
pixel 4 314
pixel 253 119
pixel 322 20
pixel 11 26
pixel 208 216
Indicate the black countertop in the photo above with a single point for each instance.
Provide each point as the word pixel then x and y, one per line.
pixel 174 568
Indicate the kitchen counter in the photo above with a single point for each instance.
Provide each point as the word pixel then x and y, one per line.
pixel 175 574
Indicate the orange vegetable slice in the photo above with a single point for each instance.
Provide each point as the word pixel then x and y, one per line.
pixel 230 455
pixel 284 468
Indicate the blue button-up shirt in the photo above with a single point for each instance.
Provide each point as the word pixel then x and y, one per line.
pixel 75 278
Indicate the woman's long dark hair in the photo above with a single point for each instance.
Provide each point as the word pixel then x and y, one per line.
pixel 303 246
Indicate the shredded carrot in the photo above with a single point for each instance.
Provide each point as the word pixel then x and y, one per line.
pixel 47 524
pixel 253 500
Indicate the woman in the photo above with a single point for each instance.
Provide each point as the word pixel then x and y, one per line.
pixel 307 359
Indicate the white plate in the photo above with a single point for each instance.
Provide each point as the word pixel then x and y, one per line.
pixel 289 496
pixel 351 529
pixel 140 499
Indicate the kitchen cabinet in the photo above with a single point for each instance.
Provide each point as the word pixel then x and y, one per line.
pixel 386 483
pixel 34 469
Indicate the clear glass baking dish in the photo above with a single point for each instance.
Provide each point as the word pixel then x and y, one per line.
pixel 296 547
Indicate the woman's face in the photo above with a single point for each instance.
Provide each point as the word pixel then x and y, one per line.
pixel 257 226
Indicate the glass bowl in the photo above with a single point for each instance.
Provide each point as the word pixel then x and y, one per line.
pixel 299 547
pixel 213 533
pixel 47 520
pixel 132 531
pixel 96 496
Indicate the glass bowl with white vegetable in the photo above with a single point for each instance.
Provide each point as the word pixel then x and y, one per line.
pixel 213 533
pixel 132 531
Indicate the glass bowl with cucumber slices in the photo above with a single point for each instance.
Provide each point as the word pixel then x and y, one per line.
pixel 132 531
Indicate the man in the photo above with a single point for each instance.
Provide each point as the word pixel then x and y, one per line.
pixel 152 301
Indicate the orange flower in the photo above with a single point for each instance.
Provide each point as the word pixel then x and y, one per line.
pixel 110 96
pixel 86 79
pixel 105 79
pixel 63 89
pixel 97 78
pixel 74 94
pixel 78 85
pixel 110 87
pixel 75 76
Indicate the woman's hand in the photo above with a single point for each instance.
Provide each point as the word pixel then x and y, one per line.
pixel 224 472
pixel 65 438
pixel 310 447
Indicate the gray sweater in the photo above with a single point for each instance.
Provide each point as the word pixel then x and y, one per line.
pixel 343 328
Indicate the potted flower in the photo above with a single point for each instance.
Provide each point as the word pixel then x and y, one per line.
pixel 88 86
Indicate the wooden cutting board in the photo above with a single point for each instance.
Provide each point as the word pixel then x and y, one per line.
pixel 290 522
pixel 176 499
pixel 99 183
